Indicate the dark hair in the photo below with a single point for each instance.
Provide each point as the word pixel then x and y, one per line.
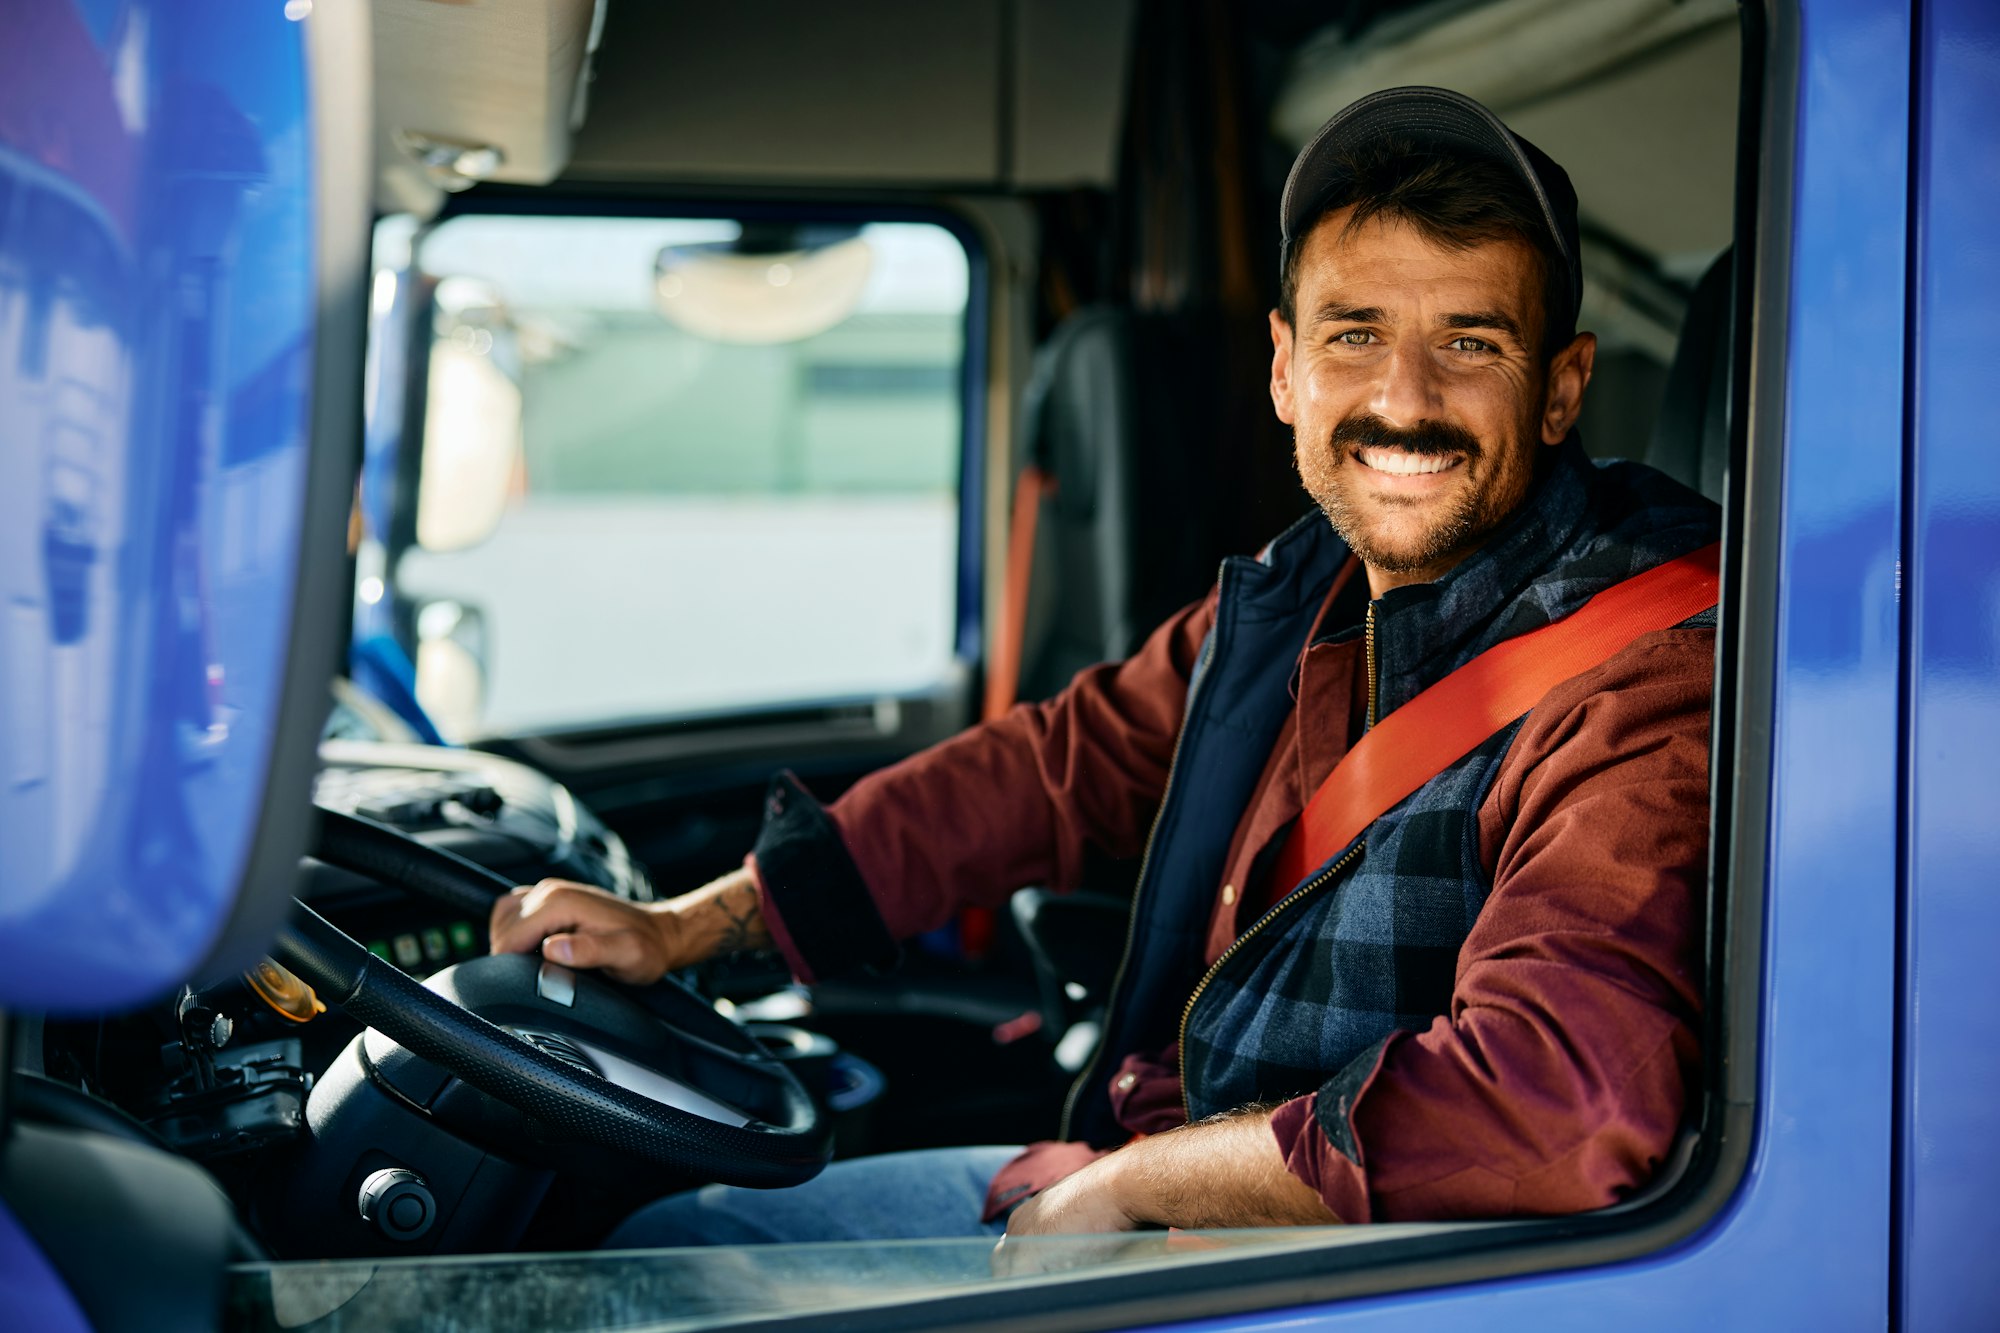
pixel 1452 200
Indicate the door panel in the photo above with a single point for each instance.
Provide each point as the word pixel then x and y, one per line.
pixel 1950 1075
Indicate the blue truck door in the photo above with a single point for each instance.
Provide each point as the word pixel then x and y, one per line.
pixel 1948 1171
pixel 177 377
pixel 182 237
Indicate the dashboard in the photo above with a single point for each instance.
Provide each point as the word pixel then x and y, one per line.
pixel 504 815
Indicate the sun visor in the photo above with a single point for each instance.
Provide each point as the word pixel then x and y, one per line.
pixel 183 233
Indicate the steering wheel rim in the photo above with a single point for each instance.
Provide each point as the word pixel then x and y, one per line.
pixel 566 1103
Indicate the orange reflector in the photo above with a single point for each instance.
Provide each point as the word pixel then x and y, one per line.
pixel 292 998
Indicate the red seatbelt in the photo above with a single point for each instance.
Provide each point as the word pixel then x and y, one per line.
pixel 1003 665
pixel 1418 741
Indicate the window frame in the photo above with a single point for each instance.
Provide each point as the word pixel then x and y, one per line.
pixel 1435 1256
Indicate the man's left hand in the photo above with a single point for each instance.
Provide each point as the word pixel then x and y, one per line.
pixel 1088 1201
pixel 1087 1204
pixel 1221 1173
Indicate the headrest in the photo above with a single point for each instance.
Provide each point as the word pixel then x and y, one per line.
pixel 1691 436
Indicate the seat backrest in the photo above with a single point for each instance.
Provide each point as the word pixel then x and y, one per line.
pixel 1079 415
pixel 1121 416
pixel 1690 441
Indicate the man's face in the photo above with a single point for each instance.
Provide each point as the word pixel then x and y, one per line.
pixel 1416 390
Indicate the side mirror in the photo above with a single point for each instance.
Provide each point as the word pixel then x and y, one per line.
pixel 451 666
pixel 472 425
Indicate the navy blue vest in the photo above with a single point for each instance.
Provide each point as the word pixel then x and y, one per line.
pixel 1371 946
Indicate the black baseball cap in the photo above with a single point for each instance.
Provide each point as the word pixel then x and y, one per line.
pixel 1444 119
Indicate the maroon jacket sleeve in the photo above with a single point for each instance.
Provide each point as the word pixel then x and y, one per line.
pixel 1016 801
pixel 1556 1082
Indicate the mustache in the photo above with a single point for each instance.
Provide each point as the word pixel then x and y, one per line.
pixel 1364 431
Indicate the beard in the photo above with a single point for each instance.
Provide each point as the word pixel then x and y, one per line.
pixel 1463 518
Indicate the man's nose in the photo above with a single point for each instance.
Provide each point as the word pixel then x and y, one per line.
pixel 1406 385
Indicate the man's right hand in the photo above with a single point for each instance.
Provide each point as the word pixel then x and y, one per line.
pixel 636 943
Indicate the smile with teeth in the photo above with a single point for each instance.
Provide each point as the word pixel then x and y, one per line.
pixel 1397 463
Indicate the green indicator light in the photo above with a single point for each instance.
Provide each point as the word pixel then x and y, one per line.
pixel 462 938
pixel 380 948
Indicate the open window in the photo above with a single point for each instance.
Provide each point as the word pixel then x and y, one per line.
pixel 801 462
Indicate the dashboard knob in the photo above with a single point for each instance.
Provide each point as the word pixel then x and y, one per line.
pixel 398 1203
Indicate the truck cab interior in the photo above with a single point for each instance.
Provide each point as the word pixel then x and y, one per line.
pixel 717 391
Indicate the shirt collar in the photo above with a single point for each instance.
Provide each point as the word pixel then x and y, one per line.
pixel 1425 631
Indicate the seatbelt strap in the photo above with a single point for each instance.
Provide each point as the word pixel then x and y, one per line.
pixel 1003 667
pixel 976 925
pixel 1449 720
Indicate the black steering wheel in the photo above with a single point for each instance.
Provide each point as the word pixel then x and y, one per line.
pixel 546 1065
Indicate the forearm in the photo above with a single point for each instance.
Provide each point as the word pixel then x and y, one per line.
pixel 723 917
pixel 1225 1172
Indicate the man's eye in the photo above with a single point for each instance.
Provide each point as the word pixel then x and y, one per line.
pixel 1471 345
pixel 1354 337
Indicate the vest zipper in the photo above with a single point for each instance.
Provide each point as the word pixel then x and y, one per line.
pixel 1278 908
pixel 1371 667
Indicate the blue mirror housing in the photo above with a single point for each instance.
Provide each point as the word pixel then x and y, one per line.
pixel 183 242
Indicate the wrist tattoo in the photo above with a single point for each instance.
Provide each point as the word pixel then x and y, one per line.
pixel 745 931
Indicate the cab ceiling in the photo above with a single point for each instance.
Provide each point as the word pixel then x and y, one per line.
pixel 1636 98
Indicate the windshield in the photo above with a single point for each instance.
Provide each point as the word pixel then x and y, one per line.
pixel 646 435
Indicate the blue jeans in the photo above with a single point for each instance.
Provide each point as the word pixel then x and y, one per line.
pixel 897 1196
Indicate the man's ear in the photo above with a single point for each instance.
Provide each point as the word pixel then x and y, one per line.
pixel 1569 375
pixel 1281 369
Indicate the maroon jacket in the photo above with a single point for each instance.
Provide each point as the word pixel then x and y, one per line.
pixel 1556 1081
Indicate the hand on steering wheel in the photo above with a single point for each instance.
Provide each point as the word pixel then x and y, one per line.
pixel 611 1071
pixel 636 943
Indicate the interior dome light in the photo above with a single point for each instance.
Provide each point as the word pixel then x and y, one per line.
pixel 725 294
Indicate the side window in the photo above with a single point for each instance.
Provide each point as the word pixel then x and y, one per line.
pixel 684 466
